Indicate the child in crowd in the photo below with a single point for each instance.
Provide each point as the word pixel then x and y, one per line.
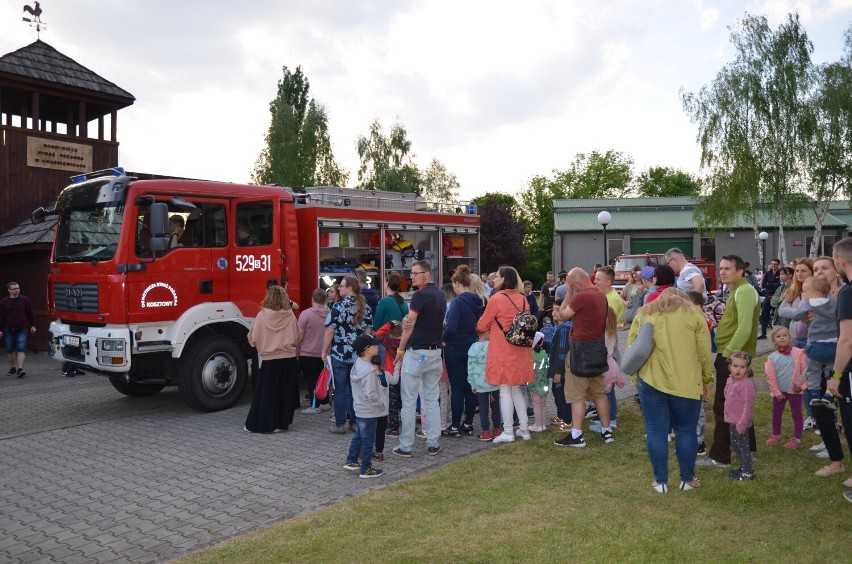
pixel 390 333
pixel 547 330
pixel 822 335
pixel 370 401
pixel 786 370
pixel 558 353
pixel 614 373
pixel 739 412
pixel 487 395
pixel 538 389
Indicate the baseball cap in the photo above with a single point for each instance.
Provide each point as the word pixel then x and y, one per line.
pixel 647 273
pixel 362 342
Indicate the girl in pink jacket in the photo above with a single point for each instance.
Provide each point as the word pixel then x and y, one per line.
pixel 786 374
pixel 739 412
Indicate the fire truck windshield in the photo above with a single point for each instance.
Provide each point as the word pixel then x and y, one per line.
pixel 623 264
pixel 89 233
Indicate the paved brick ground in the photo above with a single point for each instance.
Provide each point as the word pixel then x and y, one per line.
pixel 88 475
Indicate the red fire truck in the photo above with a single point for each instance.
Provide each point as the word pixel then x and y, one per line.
pixel 149 303
pixel 624 265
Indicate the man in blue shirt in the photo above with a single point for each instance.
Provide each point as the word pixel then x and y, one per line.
pixel 420 354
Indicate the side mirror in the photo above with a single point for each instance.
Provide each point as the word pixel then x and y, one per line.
pixel 40 214
pixel 159 227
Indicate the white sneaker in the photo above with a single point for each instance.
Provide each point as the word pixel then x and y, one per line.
pixel 818 447
pixel 810 423
pixel 522 434
pixel 311 410
pixel 504 438
pixel 822 454
pixel 537 428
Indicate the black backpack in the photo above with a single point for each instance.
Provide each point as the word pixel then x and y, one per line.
pixel 523 328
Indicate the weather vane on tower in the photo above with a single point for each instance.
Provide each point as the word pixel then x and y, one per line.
pixel 35 20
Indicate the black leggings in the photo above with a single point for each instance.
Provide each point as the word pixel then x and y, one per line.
pixel 827 419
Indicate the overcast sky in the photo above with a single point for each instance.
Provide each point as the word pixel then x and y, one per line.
pixel 499 91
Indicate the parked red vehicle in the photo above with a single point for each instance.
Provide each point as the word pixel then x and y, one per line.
pixel 157 282
pixel 624 265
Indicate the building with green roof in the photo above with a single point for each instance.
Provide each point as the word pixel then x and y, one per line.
pixel 653 225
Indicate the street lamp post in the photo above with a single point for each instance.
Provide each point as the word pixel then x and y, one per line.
pixel 763 236
pixel 604 218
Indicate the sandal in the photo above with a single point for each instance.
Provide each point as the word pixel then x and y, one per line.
pixel 690 485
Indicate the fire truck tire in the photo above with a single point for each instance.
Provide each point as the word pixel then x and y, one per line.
pixel 213 375
pixel 134 389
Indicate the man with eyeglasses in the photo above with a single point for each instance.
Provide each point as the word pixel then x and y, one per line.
pixel 17 322
pixel 420 354
pixel 689 277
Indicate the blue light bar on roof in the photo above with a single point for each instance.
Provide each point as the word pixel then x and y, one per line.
pixel 114 171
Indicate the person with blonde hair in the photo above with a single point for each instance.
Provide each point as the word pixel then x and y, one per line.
pixel 459 334
pixel 673 381
pixel 275 334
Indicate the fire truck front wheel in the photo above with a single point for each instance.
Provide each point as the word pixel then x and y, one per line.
pixel 213 375
pixel 134 389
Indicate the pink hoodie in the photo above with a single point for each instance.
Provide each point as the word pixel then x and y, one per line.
pixel 274 334
pixel 312 324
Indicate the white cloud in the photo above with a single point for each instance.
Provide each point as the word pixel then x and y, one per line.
pixel 497 90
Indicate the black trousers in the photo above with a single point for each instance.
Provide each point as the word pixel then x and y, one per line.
pixel 826 418
pixel 721 449
pixel 765 311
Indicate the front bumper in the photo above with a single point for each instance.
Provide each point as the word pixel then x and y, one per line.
pixel 105 349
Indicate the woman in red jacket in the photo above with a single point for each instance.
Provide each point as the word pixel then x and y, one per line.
pixel 508 366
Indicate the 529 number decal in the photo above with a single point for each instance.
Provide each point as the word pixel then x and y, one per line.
pixel 250 263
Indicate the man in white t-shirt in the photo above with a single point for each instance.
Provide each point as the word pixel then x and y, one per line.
pixel 689 277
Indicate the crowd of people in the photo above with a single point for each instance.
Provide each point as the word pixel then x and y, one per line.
pixel 485 344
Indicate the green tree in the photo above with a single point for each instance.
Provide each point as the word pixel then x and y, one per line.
pixel 438 184
pixel 298 146
pixel 386 162
pixel 501 233
pixel 535 209
pixel 661 181
pixel 753 124
pixel 830 151
pixel 596 175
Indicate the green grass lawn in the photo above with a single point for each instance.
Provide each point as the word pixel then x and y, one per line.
pixel 534 502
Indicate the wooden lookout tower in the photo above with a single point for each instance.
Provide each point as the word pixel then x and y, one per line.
pixel 57 119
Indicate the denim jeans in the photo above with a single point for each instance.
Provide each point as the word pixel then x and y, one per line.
pixel 16 340
pixel 613 404
pixel 462 397
pixel 363 442
pixel 342 391
pixel 662 412
pixel 420 366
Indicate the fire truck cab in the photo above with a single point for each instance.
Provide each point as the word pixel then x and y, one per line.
pixel 157 282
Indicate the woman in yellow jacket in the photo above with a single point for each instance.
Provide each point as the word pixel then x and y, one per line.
pixel 673 382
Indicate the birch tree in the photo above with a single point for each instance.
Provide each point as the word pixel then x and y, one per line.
pixel 753 124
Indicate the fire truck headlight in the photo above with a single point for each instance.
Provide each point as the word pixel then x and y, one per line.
pixel 111 352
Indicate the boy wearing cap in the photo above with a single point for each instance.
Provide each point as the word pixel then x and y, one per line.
pixel 370 401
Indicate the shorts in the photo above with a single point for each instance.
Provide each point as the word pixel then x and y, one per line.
pixel 16 340
pixel 578 390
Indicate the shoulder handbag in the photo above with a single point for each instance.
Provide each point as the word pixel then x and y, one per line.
pixel 587 359
pixel 639 351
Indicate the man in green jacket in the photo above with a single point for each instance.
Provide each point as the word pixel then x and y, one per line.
pixel 737 331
